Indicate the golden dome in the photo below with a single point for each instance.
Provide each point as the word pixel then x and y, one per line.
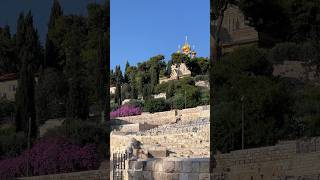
pixel 186 47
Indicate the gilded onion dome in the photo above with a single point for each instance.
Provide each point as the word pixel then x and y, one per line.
pixel 186 48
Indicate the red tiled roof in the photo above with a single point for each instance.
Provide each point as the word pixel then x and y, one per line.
pixel 8 77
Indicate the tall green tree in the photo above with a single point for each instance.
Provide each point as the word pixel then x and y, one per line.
pixel 51 48
pixel 119 80
pixel 30 55
pixel 74 42
pixel 126 72
pixel 8 57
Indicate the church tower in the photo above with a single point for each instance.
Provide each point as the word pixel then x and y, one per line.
pixel 186 49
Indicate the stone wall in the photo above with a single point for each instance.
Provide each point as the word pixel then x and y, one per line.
pixel 184 139
pixel 286 159
pixel 167 117
pixel 295 69
pixel 169 168
pixel 134 127
pixel 85 175
pixel 118 142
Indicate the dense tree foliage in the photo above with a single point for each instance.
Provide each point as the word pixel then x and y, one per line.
pixel 281 21
pixel 9 61
pixel 275 108
pixel 62 80
pixel 144 78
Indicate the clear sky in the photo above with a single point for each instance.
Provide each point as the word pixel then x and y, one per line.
pixel 140 29
pixel 10 9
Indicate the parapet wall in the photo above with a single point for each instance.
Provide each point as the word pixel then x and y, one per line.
pixel 170 168
pixel 94 174
pixel 167 117
pixel 290 158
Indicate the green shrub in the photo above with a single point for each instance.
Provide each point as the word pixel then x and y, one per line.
pixel 162 87
pixel 204 97
pixel 284 52
pixel 6 108
pixel 135 103
pixel 83 132
pixel 156 105
pixel 177 102
pixel 201 78
pixel 113 106
pixel 11 143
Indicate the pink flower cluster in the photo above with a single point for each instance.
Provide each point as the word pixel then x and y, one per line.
pixel 51 156
pixel 125 110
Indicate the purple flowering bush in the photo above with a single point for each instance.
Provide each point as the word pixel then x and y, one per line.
pixel 51 156
pixel 125 110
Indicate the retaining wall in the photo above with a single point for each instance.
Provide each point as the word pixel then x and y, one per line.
pixel 286 159
pixel 193 141
pixel 167 117
pixel 84 175
pixel 168 169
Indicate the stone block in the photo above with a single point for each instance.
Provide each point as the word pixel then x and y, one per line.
pixel 158 167
pixel 204 167
pixel 157 176
pixel 195 167
pixel 158 153
pixel 138 165
pixel 149 166
pixel 178 166
pixel 204 176
pixel 170 176
pixel 186 166
pixel 168 166
pixel 183 176
pixel 147 175
pixel 138 175
pixel 193 176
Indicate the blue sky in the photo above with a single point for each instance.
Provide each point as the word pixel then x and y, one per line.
pixel 140 29
pixel 10 9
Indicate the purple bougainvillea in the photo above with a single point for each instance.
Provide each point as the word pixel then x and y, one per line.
pixel 125 110
pixel 51 156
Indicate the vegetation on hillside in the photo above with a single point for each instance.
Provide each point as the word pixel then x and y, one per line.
pixel 63 79
pixel 143 81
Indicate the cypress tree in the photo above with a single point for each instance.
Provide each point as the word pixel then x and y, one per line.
pixel 29 54
pixel 8 59
pixel 118 76
pixel 20 37
pixel 134 88
pixel 77 103
pixel 51 51
pixel 126 73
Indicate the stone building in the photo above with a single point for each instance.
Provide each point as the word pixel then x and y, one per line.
pixel 235 31
pixel 113 90
pixel 181 70
pixel 8 86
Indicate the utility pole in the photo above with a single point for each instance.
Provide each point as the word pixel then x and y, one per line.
pixel 28 154
pixel 101 67
pixel 242 122
pixel 185 99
